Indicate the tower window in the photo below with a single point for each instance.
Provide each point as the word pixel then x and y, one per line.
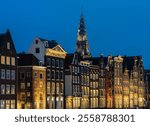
pixel 37 50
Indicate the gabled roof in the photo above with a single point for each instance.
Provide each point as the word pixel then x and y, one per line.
pixel 4 38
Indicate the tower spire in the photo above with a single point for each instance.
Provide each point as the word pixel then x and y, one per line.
pixel 82 42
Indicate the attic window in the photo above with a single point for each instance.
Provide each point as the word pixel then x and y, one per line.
pixel 37 50
pixel 36 41
pixel 8 45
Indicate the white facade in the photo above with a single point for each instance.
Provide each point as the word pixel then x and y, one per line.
pixel 37 44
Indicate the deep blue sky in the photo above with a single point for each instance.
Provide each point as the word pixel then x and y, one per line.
pixel 113 26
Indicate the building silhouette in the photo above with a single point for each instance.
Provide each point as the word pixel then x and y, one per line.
pixel 48 77
pixel 8 72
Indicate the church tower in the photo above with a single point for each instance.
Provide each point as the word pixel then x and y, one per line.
pixel 82 43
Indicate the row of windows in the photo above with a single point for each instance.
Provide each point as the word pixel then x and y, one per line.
pixel 84 80
pixel 55 63
pixel 118 72
pixel 7 104
pixel 118 64
pixel 94 102
pixel 94 84
pixel 75 69
pixel 55 102
pixel 55 74
pixel 23 85
pixel 8 74
pixel 94 76
pixel 53 88
pixel 85 90
pixel 76 79
pixel 76 90
pixel 7 89
pixel 94 92
pixel 8 60
pixel 23 75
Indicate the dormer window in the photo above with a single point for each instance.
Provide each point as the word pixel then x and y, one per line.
pixel 8 45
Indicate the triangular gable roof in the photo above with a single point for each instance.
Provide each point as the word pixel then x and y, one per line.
pixel 59 48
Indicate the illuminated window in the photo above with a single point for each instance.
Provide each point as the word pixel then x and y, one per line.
pixel 28 84
pixel 53 88
pixel 57 102
pixel 28 94
pixel 53 103
pixel 61 102
pixel 7 104
pixel 48 87
pixel 12 89
pixel 2 73
pixel 2 59
pixel 12 104
pixel 22 86
pixel 13 76
pixel 2 89
pixel 2 104
pixel 13 61
pixel 7 60
pixel 7 89
pixel 61 88
pixel 57 88
pixel 8 74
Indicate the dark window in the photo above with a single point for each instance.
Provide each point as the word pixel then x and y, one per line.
pixel 61 63
pixel 53 74
pixel 57 63
pixel 53 62
pixel 36 41
pixel 61 75
pixel 37 50
pixel 41 75
pixel 48 74
pixel 22 76
pixel 28 74
pixel 57 75
pixel 48 61
pixel 35 74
